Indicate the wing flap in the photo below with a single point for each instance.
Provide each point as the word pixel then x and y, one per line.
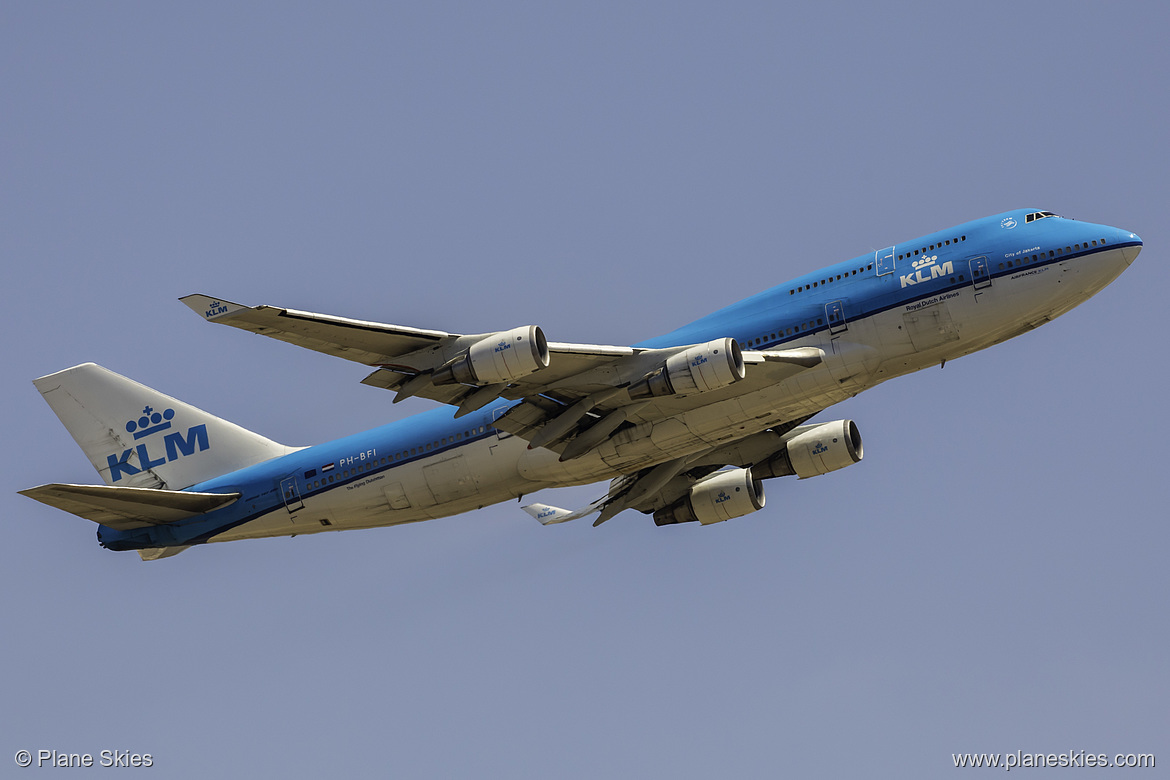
pixel 126 508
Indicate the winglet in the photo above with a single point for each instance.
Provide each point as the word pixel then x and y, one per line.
pixel 211 308
pixel 548 515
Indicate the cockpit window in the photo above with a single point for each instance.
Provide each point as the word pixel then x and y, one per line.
pixel 1035 215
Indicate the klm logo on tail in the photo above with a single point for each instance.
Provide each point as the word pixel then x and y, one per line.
pixel 175 445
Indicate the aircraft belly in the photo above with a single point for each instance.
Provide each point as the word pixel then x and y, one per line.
pixel 274 523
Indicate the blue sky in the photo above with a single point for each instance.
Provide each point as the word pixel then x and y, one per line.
pixel 991 578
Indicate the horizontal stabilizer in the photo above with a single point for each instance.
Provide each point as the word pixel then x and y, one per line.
pixel 548 515
pixel 126 508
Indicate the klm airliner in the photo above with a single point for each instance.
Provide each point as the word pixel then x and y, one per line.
pixel 685 426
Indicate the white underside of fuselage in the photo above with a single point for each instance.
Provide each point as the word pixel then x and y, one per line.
pixel 869 351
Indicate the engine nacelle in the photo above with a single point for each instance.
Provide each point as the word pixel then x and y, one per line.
pixel 817 450
pixel 501 357
pixel 697 369
pixel 721 496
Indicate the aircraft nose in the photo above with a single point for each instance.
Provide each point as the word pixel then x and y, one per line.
pixel 1131 252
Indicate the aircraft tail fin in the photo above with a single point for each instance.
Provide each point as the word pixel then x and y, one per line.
pixel 137 437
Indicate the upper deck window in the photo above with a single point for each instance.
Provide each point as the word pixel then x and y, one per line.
pixel 1035 215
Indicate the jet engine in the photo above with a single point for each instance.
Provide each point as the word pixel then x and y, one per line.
pixel 697 369
pixel 814 450
pixel 501 357
pixel 715 498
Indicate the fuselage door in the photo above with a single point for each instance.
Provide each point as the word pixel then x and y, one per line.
pixel 980 272
pixel 883 259
pixel 291 494
pixel 835 314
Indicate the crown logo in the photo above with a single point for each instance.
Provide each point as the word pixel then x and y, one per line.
pixel 150 422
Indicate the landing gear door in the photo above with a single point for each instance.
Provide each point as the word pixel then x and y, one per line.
pixel 883 259
pixel 980 273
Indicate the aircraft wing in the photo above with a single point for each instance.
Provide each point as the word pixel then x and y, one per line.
pixel 572 396
pixel 372 343
pixel 401 353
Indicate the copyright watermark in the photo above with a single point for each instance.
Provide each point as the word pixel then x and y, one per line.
pixel 103 758
pixel 1071 758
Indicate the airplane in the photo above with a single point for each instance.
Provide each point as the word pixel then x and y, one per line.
pixel 686 426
